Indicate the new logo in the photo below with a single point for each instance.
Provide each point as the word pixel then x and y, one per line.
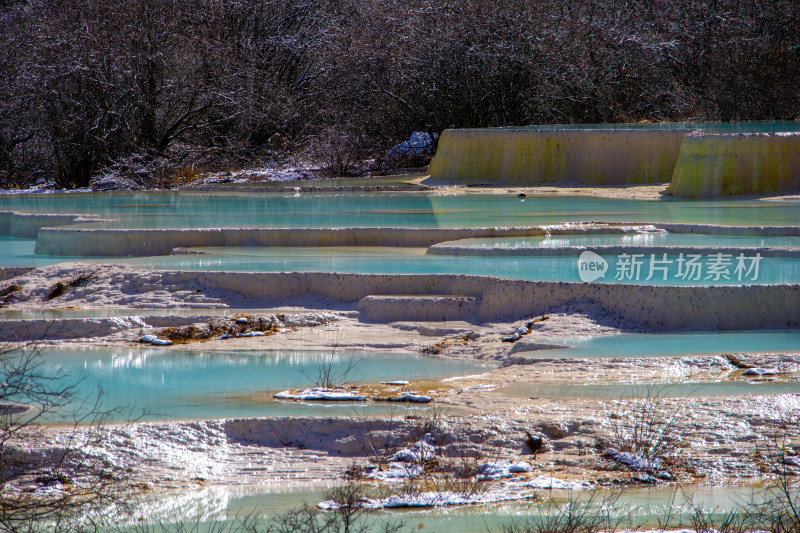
pixel 591 266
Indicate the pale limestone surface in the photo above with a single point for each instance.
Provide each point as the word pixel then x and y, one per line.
pixel 663 308
pixel 531 156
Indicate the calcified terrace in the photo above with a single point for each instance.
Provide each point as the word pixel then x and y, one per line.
pixel 528 384
pixel 699 163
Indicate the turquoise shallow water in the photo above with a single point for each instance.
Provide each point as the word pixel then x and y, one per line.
pixel 172 384
pixel 681 390
pixel 663 344
pixel 378 260
pixel 368 260
pixel 187 210
pixel 19 253
pixel 631 239
pixel 641 505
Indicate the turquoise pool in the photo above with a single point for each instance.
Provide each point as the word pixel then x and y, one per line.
pixel 644 506
pixel 615 391
pixel 631 239
pixel 19 253
pixel 169 384
pixel 385 260
pixel 190 210
pixel 665 344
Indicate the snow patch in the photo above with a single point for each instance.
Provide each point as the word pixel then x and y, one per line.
pixel 155 341
pixel 416 453
pixel 394 472
pixel 411 397
pixel 550 483
pixel 760 372
pixel 502 470
pixel 321 395
pixel 490 386
pixel 638 463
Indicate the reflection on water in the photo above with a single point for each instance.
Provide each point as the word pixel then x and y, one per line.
pixel 375 260
pixel 643 506
pixel 167 209
pixel 630 239
pixel 175 384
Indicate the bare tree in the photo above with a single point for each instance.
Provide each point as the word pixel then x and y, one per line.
pixel 49 486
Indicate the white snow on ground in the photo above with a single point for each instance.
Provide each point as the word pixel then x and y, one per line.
pixel 394 472
pixel 460 378
pixel 321 395
pixel 399 383
pixel 155 341
pixel 637 462
pixel 417 452
pixel 502 470
pixel 284 173
pixel 760 372
pixel 490 386
pixel 309 319
pixel 411 397
pixel 522 330
pixel 548 483
pixel 404 464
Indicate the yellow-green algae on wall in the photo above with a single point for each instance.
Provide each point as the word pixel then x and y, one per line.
pixel 530 156
pixel 744 163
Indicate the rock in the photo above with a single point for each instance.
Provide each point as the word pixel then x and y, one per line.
pixel 420 143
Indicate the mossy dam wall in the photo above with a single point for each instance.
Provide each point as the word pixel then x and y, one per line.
pixel 698 164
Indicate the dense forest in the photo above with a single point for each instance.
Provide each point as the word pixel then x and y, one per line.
pixel 160 89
